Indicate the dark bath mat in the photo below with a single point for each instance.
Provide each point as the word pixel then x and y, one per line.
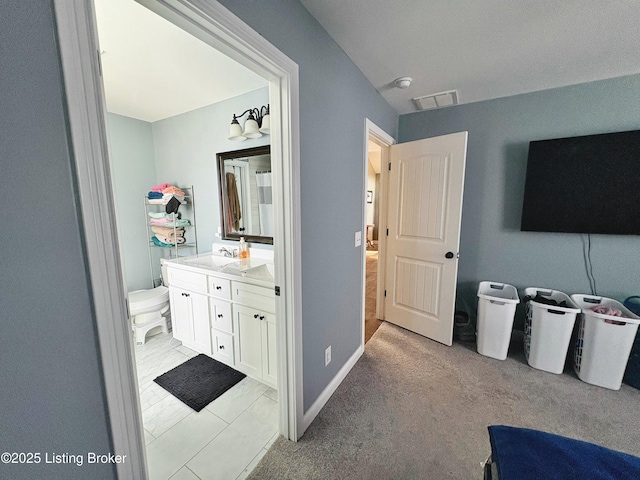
pixel 199 381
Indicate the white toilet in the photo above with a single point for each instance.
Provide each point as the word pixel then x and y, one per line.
pixel 149 309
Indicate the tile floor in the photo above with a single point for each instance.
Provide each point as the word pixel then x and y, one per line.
pixel 223 441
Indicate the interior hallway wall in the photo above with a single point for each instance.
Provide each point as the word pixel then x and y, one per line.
pixel 335 98
pixel 52 397
pixel 492 245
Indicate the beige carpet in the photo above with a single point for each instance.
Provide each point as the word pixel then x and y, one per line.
pixel 414 409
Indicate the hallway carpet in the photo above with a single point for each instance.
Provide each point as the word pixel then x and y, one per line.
pixel 415 409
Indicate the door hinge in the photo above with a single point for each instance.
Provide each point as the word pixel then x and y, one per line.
pixel 387 232
pixel 389 166
pixel 385 293
pixel 277 289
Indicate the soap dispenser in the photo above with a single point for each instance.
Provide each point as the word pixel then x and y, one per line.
pixel 243 251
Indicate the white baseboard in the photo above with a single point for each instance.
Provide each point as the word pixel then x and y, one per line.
pixel 324 397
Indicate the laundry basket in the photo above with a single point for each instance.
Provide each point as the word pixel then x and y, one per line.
pixel 548 328
pixel 604 342
pixel 496 309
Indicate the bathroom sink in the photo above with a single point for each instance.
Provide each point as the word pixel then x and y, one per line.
pixel 210 261
pixel 263 272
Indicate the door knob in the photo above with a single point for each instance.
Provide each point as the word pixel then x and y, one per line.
pixel 448 255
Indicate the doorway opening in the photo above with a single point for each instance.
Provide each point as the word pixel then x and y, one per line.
pixel 377 146
pixel 163 88
pixel 218 28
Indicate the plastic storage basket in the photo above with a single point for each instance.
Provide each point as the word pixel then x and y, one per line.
pixel 604 342
pixel 496 309
pixel 548 329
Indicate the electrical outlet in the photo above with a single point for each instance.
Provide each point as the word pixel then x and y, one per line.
pixel 358 238
pixel 327 356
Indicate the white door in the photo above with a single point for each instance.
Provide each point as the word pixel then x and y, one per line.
pixel 424 211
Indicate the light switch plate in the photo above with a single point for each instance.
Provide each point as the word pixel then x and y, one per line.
pixel 358 238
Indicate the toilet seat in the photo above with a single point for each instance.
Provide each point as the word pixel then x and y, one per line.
pixel 142 301
pixel 149 309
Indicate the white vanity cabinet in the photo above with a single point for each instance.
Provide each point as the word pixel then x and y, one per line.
pixel 190 318
pixel 228 317
pixel 254 331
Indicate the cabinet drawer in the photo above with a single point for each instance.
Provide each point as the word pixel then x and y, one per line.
pixel 223 347
pixel 261 298
pixel 221 318
pixel 196 282
pixel 220 287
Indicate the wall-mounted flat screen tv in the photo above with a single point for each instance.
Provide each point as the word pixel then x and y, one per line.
pixel 588 184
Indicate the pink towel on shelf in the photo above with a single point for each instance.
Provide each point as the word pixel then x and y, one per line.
pixel 159 188
pixel 603 310
pixel 160 222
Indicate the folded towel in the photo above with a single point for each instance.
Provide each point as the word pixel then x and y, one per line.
pixel 158 201
pixel 169 196
pixel 160 222
pixel 159 215
pixel 168 232
pixel 159 188
pixel 171 189
pixel 157 242
pixel 154 195
pixel 170 240
pixel 177 223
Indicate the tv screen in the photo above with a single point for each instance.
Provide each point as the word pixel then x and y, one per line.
pixel 588 184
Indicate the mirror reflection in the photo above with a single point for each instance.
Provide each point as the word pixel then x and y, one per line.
pixel 245 194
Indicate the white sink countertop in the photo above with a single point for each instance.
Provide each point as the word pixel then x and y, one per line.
pixel 259 269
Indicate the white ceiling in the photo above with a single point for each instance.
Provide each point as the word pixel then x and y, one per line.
pixel 154 70
pixel 486 48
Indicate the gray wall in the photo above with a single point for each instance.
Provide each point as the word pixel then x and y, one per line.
pixel 179 150
pixel 492 246
pixel 51 398
pixel 134 173
pixel 185 154
pixel 335 98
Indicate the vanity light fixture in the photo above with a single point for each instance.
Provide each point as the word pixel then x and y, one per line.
pixel 257 124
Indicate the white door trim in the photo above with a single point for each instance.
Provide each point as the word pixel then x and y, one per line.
pixel 382 138
pixel 88 143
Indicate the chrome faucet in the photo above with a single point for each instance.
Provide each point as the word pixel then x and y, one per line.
pixel 226 252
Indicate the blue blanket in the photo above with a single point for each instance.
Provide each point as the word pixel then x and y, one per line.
pixel 524 454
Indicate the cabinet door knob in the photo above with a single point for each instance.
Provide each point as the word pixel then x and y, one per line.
pixel 221 347
pixel 220 315
pixel 218 287
pixel 256 315
pixel 261 317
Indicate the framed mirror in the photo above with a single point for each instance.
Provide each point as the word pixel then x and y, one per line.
pixel 246 206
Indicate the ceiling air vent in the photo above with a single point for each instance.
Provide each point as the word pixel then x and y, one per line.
pixel 437 100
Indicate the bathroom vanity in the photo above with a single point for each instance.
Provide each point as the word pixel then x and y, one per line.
pixel 225 308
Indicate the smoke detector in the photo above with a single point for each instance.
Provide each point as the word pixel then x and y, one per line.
pixel 403 82
pixel 437 100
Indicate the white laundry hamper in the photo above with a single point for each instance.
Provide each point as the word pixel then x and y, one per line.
pixel 496 310
pixel 548 329
pixel 604 342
